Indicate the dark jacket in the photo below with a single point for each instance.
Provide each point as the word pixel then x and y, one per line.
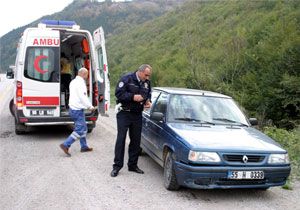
pixel 127 87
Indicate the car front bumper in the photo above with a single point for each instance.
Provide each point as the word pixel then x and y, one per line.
pixel 216 177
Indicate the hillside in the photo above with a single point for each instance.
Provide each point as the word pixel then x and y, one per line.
pixel 113 17
pixel 247 49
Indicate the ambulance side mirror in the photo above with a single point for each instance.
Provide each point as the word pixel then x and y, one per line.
pixel 10 74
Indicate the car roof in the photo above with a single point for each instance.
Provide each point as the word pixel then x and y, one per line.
pixel 187 91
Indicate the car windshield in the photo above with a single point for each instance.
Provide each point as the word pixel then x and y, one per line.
pixel 205 110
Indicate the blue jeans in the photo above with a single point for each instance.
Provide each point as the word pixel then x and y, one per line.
pixel 80 129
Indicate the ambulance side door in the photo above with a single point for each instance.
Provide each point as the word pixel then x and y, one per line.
pixel 102 73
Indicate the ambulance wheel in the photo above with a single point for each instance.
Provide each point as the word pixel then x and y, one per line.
pixel 12 107
pixel 90 128
pixel 19 128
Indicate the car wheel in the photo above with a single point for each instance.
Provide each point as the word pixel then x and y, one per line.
pixel 20 128
pixel 170 180
pixel 12 107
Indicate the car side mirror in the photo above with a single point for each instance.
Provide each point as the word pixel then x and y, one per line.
pixel 157 116
pixel 253 121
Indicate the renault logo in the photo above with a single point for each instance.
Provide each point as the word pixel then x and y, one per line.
pixel 245 159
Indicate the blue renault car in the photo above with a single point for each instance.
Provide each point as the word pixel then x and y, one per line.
pixel 204 141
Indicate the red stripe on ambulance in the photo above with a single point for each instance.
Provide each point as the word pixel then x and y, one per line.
pixel 41 101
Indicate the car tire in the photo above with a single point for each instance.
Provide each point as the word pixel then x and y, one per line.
pixel 170 180
pixel 20 128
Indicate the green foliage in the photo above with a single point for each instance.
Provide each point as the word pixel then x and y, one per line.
pixel 290 140
pixel 247 49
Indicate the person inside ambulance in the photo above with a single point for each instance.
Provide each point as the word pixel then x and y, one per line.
pixel 66 69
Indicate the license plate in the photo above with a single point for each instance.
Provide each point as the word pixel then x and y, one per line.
pixel 42 112
pixel 245 174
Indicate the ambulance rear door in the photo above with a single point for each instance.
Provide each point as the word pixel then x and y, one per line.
pixel 102 72
pixel 40 82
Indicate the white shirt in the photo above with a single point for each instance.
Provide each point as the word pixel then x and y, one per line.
pixel 78 94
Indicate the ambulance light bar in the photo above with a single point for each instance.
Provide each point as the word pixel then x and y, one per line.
pixel 59 24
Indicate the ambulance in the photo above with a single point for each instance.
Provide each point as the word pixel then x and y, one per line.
pixel 48 58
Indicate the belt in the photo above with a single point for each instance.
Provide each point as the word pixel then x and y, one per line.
pixel 125 110
pixel 129 110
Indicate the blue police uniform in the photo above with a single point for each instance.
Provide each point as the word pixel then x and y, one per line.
pixel 130 117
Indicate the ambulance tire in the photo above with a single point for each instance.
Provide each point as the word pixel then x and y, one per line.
pixel 19 128
pixel 12 107
pixel 90 128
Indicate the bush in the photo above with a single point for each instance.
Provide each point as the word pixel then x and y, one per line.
pixel 290 141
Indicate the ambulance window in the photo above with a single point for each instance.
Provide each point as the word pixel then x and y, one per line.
pixel 101 63
pixel 41 64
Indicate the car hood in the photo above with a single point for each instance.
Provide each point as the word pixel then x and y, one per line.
pixel 220 137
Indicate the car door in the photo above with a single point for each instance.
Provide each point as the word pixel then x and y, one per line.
pixel 102 73
pixel 156 128
pixel 146 142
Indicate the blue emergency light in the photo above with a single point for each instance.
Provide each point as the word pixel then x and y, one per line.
pixel 59 23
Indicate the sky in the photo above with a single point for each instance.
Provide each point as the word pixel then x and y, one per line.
pixel 17 13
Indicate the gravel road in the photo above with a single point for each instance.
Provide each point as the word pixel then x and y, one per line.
pixel 35 174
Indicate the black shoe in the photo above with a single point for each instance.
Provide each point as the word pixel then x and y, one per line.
pixel 114 173
pixel 136 170
pixel 87 149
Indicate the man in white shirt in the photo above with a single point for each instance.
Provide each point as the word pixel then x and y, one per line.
pixel 78 102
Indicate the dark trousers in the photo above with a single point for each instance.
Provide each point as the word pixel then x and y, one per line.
pixel 133 122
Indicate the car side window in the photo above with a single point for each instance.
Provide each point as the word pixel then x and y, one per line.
pixel 154 96
pixel 161 103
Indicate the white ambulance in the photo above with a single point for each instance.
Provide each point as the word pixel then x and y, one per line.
pixel 48 58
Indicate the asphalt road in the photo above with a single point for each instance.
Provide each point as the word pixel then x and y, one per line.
pixel 35 174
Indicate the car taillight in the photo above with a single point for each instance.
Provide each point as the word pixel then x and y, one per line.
pixel 19 94
pixel 95 98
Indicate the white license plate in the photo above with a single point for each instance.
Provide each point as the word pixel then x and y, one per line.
pixel 42 112
pixel 245 174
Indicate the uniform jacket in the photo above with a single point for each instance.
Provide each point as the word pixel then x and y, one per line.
pixel 127 87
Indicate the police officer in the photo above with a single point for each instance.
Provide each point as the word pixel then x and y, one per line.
pixel 133 94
